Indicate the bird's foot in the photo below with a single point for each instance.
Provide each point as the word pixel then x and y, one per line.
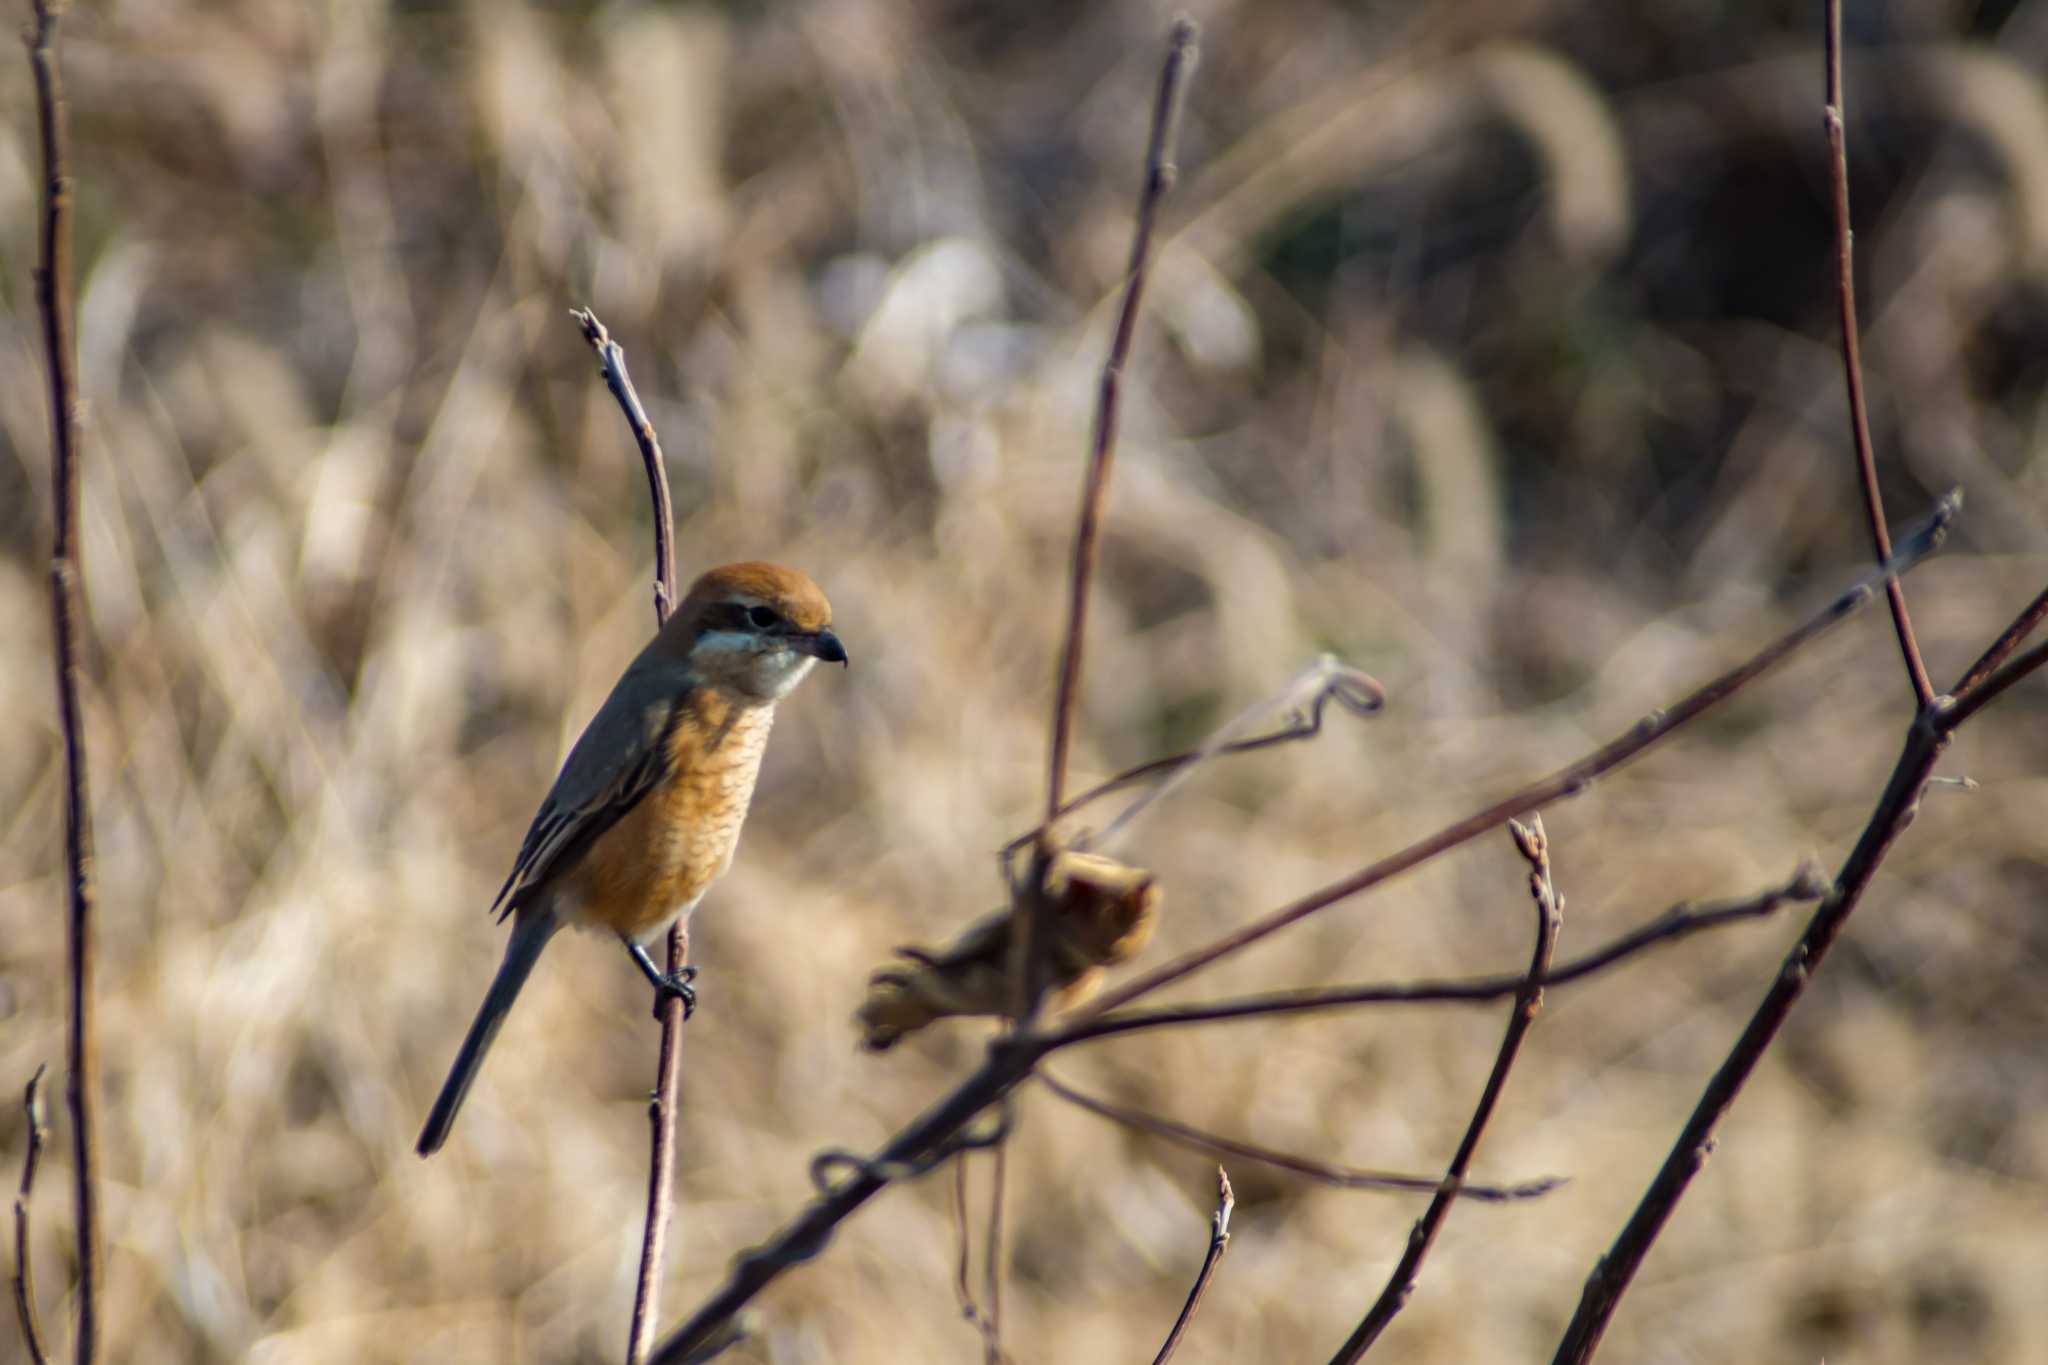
pixel 676 986
pixel 667 985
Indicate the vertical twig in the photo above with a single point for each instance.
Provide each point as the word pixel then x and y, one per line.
pixel 53 298
pixel 1534 847
pixel 1219 1242
pixel 661 1110
pixel 1925 741
pixel 1160 171
pixel 1852 352
pixel 992 1265
pixel 24 1274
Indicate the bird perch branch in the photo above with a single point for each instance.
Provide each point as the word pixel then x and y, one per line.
pixel 67 590
pixel 661 1110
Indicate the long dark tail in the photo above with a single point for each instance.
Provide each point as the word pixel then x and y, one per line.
pixel 529 935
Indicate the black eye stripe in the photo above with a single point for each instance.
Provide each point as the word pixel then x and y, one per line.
pixel 762 618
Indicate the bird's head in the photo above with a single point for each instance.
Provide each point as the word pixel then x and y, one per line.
pixel 754 629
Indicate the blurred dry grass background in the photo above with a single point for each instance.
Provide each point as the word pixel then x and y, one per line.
pixel 1492 349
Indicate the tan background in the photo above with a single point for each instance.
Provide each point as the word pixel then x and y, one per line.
pixel 1491 348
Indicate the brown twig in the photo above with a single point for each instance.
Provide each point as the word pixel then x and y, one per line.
pixel 1534 847
pixel 67 577
pixel 1219 1242
pixel 1160 172
pixel 1565 783
pixel 1852 352
pixel 1356 692
pixel 661 1110
pixel 2009 639
pixel 24 1273
pixel 1321 1172
pixel 1611 1276
pixel 1989 689
pixel 992 1262
pixel 1680 921
pixel 963 1287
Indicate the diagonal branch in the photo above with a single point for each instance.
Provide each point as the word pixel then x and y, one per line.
pixel 1321 1172
pixel 67 587
pixel 1160 172
pixel 661 1110
pixel 2009 639
pixel 1989 689
pixel 1614 1272
pixel 1680 921
pixel 1219 1242
pixel 1852 353
pixel 24 1273
pixel 1356 692
pixel 1566 782
pixel 1535 850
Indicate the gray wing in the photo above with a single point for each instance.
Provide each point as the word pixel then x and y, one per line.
pixel 621 756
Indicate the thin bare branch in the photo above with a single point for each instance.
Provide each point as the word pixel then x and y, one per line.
pixel 1219 1242
pixel 963 1286
pixel 992 1262
pixel 612 364
pixel 1565 783
pixel 1313 688
pixel 1991 688
pixel 929 1138
pixel 1321 1172
pixel 1356 692
pixel 2010 639
pixel 1534 847
pixel 24 1272
pixel 54 283
pixel 1680 921
pixel 1852 354
pixel 1160 172
pixel 668 1008
pixel 1611 1276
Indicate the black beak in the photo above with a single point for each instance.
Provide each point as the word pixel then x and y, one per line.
pixel 822 645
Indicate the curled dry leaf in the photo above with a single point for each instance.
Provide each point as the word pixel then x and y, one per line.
pixel 1101 913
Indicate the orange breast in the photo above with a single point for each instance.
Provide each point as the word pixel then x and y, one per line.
pixel 656 863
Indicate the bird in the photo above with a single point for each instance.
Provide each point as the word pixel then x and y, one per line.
pixel 646 812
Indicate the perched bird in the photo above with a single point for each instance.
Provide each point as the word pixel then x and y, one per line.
pixel 647 810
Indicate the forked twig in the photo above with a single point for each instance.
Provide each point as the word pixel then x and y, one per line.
pixel 1990 689
pixel 1680 921
pixel 1564 783
pixel 1534 847
pixel 1219 1242
pixel 1160 172
pixel 1320 1172
pixel 2009 639
pixel 1352 690
pixel 24 1272
pixel 661 1109
pixel 67 578
pixel 1833 116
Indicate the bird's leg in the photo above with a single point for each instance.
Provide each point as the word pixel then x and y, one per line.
pixel 665 985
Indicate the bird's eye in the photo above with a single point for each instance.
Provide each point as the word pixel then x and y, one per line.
pixel 761 618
